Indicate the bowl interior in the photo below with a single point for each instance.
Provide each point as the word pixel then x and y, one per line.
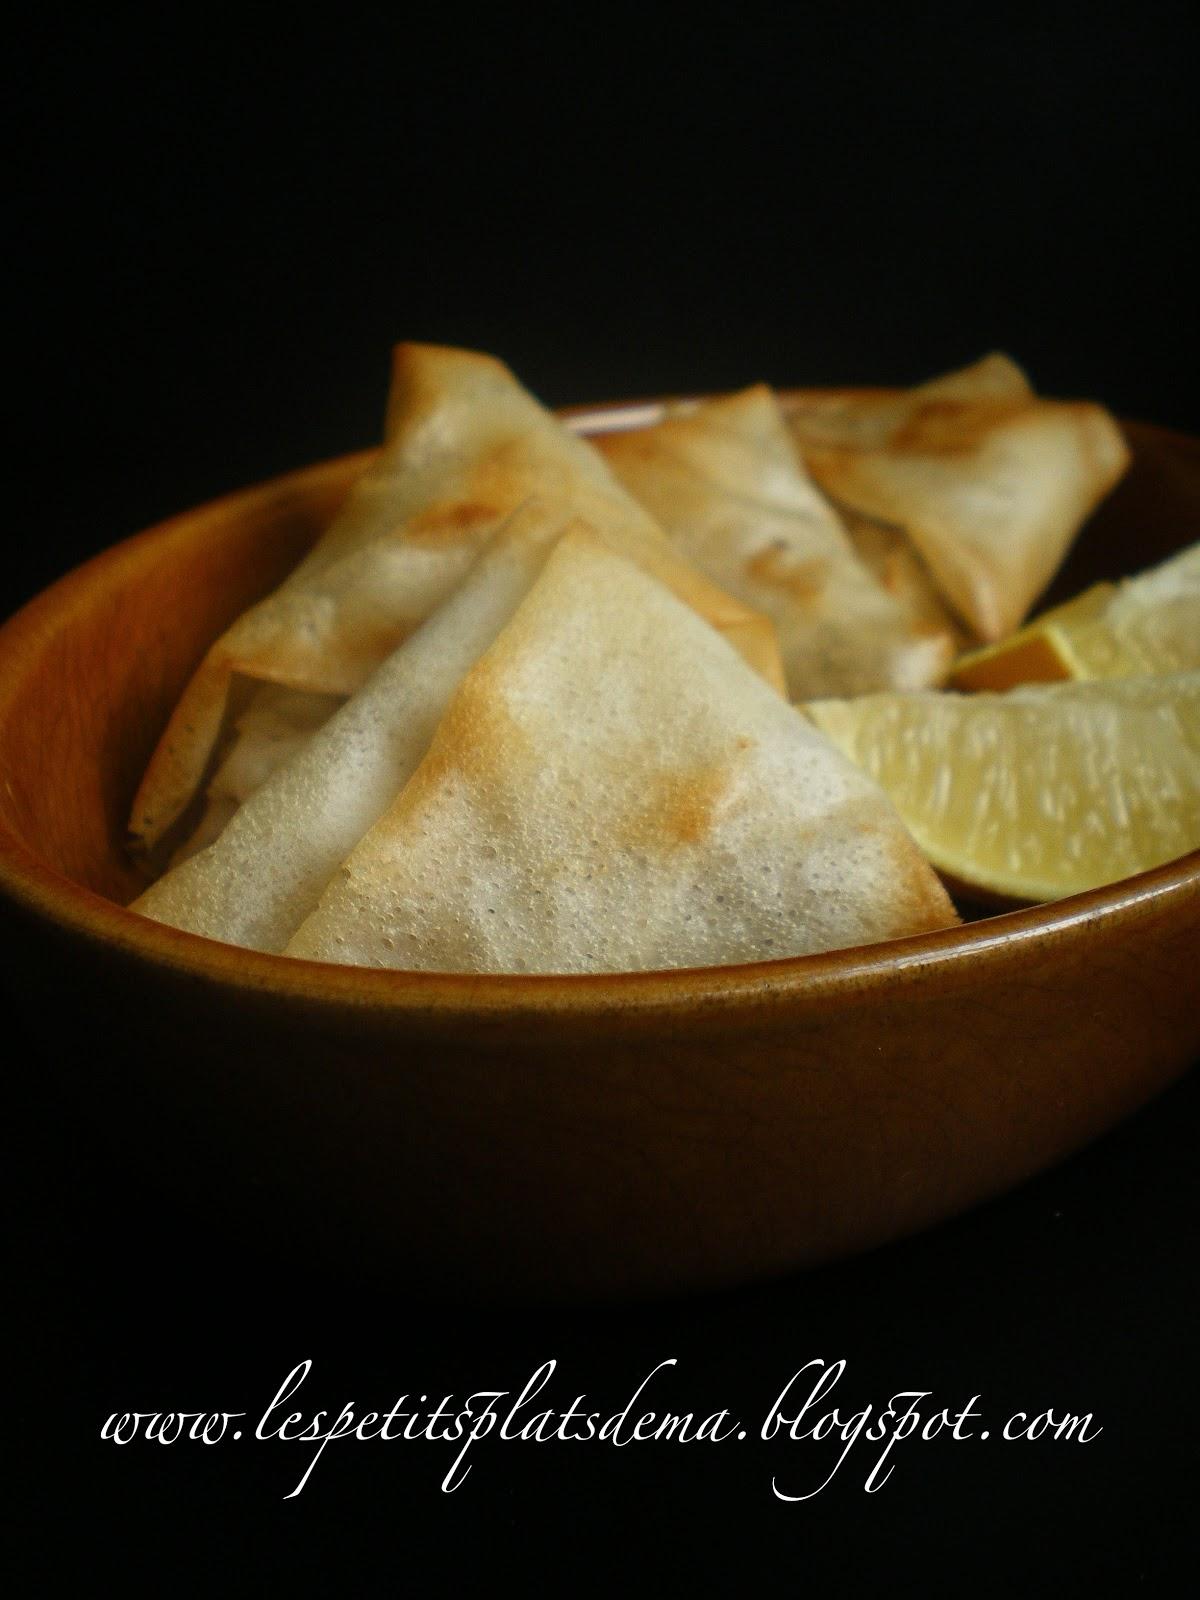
pixel 93 667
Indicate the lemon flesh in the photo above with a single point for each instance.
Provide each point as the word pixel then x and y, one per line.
pixel 1041 792
pixel 1146 625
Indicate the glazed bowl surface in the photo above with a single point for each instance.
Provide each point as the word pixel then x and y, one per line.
pixel 581 1136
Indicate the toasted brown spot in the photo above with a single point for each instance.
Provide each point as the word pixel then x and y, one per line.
pixel 478 742
pixel 952 427
pixel 893 574
pixel 451 520
pixel 684 807
pixel 637 445
pixel 804 580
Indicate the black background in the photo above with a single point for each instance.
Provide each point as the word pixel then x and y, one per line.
pixel 217 229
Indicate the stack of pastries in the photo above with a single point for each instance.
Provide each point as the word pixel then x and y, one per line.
pixel 528 704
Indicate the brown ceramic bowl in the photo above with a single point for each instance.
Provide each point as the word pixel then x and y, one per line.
pixel 590 1136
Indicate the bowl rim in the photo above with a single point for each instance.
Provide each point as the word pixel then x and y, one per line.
pixel 41 889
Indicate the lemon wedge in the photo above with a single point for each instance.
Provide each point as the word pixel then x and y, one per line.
pixel 1147 624
pixel 1041 792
